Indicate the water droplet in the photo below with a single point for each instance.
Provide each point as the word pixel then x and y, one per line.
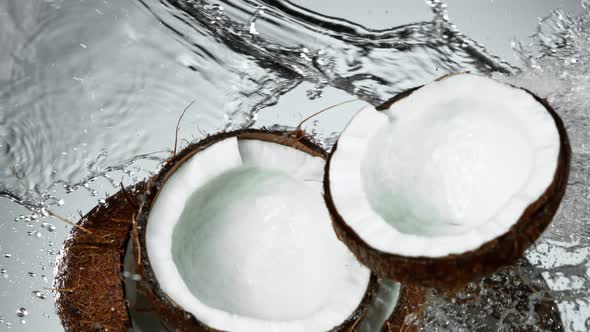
pixel 32 274
pixel 7 255
pixel 39 295
pixel 22 321
pixel 252 22
pixel 45 315
pixel 217 7
pixel 35 233
pixel 22 312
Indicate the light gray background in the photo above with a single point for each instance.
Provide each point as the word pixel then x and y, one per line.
pixel 491 22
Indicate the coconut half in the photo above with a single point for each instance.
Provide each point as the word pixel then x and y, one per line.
pixel 235 234
pixel 447 181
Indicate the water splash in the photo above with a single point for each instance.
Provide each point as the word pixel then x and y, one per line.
pixel 556 66
pixel 240 73
pixel 514 298
pixel 336 52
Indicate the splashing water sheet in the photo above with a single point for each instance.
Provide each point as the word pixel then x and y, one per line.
pixel 90 93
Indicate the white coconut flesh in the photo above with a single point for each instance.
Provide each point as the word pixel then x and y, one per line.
pixel 239 237
pixel 446 169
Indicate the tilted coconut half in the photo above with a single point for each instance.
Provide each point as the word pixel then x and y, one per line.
pixel 447 181
pixel 235 237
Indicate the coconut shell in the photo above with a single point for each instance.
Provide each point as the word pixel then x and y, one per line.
pixel 88 285
pixel 457 270
pixel 175 316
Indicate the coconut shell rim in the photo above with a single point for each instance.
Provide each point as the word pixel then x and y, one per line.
pixel 455 270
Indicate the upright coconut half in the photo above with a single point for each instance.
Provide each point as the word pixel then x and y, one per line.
pixel 235 237
pixel 447 181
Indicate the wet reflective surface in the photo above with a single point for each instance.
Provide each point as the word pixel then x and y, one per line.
pixel 90 92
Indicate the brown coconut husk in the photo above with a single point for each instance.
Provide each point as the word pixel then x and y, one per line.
pixel 457 270
pixel 88 285
pixel 172 313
